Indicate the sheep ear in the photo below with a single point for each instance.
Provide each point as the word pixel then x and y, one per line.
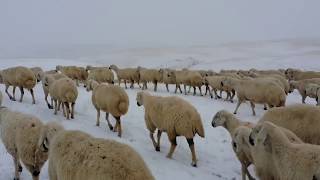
pixel 267 143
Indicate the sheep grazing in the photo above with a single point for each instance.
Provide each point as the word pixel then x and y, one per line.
pixel 256 91
pixel 78 155
pixel 294 161
pixel 21 77
pixel 127 75
pixel 296 74
pixel 150 75
pixel 20 134
pixel 79 74
pixel 313 91
pixel 173 115
pixel 301 86
pixel 231 123
pixel 110 99
pixel 301 119
pixel 47 81
pixel 64 91
pixel 38 72
pixel 101 75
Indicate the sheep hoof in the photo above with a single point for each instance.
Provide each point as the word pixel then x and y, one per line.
pixel 158 148
pixel 219 97
pixel 211 97
pixel 98 124
pixel 12 99
pixel 231 101
pixel 234 113
pixel 50 106
pixel 119 135
pixel 111 128
pixel 265 109
pixel 193 164
pixel 20 168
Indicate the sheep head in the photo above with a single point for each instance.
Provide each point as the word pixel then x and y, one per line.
pixel 261 135
pixel 139 98
pixel 220 118
pixel 48 132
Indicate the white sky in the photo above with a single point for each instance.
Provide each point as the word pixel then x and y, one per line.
pixel 39 23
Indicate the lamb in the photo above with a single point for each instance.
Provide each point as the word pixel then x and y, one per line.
pixel 74 72
pixel 173 115
pixel 150 75
pixel 301 86
pixel 110 99
pixel 127 74
pixel 291 160
pixel 296 74
pixel 263 165
pixel 37 72
pixel 21 77
pixel 78 155
pixel 47 81
pixel 64 91
pixel 301 119
pixel 101 75
pixel 20 134
pixel 256 91
pixel 313 91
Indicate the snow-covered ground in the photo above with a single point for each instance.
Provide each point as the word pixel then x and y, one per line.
pixel 216 158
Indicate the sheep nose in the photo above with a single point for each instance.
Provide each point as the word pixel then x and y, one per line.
pixel 138 104
pixel 35 173
pixel 38 80
pixel 251 141
pixel 213 124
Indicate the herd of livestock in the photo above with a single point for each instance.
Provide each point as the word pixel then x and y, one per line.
pixel 283 144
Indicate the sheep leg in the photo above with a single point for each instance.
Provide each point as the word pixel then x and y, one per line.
pixel 32 94
pixel 155 86
pixel 18 168
pixel 175 91
pixel 72 110
pixel 252 107
pixel 232 96
pixel 63 108
pixel 153 141
pixel 109 124
pixel 221 93
pixel 167 86
pixel 173 147
pixel 22 93
pixel 238 105
pixel 119 126
pixel 216 94
pixel 98 118
pixel 265 107
pixel 125 84
pixel 210 92
pixel 243 172
pixel 248 174
pixel 11 98
pixel 193 152
pixel 180 89
pixel 67 109
pixel 200 91
pixel 189 89
pixel 14 92
pixel 194 91
pixel 158 139
pixel 207 89
pixel 185 89
pixel 131 86
pixel 46 99
pixel 55 106
pixel 304 99
pixel 34 171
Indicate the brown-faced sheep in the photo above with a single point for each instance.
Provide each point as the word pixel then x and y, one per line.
pixel 301 86
pixel 110 99
pixel 21 77
pixel 296 74
pixel 256 91
pixel 64 91
pixel 78 155
pixel 47 81
pixel 127 75
pixel 20 134
pixel 294 161
pixel 173 115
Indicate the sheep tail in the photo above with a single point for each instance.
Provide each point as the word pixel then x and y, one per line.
pixel 123 107
pixel 199 129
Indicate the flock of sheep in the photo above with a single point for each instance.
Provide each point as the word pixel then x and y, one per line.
pixel 282 145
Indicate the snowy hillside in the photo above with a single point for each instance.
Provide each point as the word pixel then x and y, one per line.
pixel 216 158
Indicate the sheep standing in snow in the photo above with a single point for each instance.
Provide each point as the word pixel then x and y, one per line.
pixel 127 75
pixel 167 77
pixel 296 74
pixel 47 81
pixel 79 74
pixel 256 91
pixel 110 99
pixel 21 77
pixel 301 86
pixel 64 91
pixel 294 161
pixel 150 75
pixel 173 115
pixel 78 155
pixel 20 134
pixel 101 75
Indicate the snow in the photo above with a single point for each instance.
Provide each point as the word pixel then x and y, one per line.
pixel 215 155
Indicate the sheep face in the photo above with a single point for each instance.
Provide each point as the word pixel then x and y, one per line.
pixel 220 118
pixel 259 134
pixel 113 67
pixel 88 85
pixel 48 131
pixel 139 98
pixel 292 86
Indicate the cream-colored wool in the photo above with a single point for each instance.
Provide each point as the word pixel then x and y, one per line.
pixel 150 75
pixel 301 86
pixel 296 74
pixel 37 72
pixel 127 75
pixel 47 81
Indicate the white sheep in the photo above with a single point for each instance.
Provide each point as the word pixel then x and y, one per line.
pixel 110 99
pixel 313 91
pixel 79 74
pixel 20 134
pixel 256 91
pixel 173 115
pixel 47 81
pixel 167 77
pixel 127 75
pixel 21 77
pixel 78 155
pixel 64 91
pixel 101 75
pixel 301 119
pixel 294 161
pixel 150 75
pixel 301 86
pixel 37 72
pixel 296 74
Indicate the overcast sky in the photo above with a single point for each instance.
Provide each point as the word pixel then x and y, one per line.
pixel 39 23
